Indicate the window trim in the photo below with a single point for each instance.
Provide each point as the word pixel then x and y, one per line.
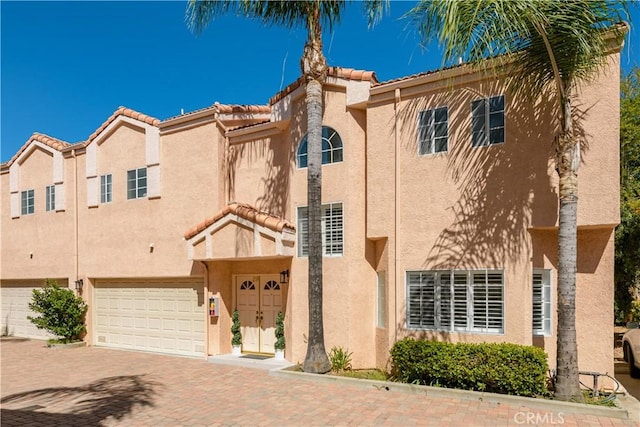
pixel 487 127
pixel 431 132
pixel 469 303
pixel 107 196
pixel 299 251
pixel 27 196
pixel 546 274
pixel 138 187
pixel 50 198
pixel 303 142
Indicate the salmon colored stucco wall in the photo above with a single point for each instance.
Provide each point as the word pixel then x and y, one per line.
pixel 38 245
pixel 472 208
pixel 469 208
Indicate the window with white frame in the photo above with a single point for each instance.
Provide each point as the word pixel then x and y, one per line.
pixel 28 202
pixel 541 302
pixel 332 230
pixel 433 131
pixel 50 198
pixel 105 188
pixel 456 300
pixel 487 121
pixel 137 183
pixel 381 308
pixel 331 148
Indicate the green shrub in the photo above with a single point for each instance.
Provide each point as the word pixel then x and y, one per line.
pixel 61 312
pixel 235 328
pixel 279 344
pixel 340 359
pixel 497 368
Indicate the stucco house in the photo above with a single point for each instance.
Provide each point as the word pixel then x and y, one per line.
pixel 440 220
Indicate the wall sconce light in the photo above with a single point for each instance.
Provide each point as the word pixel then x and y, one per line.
pixel 31 255
pixel 284 276
pixel 151 248
pixel 79 284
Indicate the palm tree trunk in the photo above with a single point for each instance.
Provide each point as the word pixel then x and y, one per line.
pixel 314 69
pixel 567 162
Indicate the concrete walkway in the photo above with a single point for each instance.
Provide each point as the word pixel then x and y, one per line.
pixel 100 387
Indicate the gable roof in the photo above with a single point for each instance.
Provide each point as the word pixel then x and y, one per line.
pixel 339 72
pixel 49 141
pixel 126 112
pixel 226 109
pixel 247 212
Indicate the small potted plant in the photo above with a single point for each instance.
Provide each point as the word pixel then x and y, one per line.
pixel 279 344
pixel 236 339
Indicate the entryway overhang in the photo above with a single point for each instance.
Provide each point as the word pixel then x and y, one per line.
pixel 240 231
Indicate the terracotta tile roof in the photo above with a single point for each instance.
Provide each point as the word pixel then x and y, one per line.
pixel 247 212
pixel 227 109
pixel 425 73
pixel 127 112
pixel 249 125
pixel 344 73
pixel 47 140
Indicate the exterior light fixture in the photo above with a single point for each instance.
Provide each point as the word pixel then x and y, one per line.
pixel 284 276
pixel 79 284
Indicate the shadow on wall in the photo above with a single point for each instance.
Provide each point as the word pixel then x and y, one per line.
pixel 502 189
pixel 277 155
pixel 88 405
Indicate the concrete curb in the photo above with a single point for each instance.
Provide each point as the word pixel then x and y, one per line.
pixel 529 402
pixel 67 345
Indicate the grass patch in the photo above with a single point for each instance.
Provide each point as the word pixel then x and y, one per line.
pixel 364 374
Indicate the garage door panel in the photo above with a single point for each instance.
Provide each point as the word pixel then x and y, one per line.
pixel 14 308
pixel 163 316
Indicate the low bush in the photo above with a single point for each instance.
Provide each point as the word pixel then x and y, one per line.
pixel 497 368
pixel 340 359
pixel 61 312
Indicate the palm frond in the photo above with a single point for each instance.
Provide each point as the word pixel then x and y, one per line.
pixel 544 41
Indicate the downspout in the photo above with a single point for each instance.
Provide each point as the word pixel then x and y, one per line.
pixel 75 213
pixel 206 311
pixel 396 198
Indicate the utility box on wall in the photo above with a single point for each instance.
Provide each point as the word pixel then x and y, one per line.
pixel 214 306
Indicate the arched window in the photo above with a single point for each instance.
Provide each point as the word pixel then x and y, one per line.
pixel 331 148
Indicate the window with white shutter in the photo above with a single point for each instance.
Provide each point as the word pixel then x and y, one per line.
pixel 456 300
pixel 332 230
pixel 541 303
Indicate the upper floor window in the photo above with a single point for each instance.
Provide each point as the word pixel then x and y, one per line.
pixel 137 183
pixel 456 300
pixel 331 148
pixel 105 188
pixel 433 130
pixel 28 202
pixel 332 230
pixel 541 302
pixel 487 121
pixel 50 198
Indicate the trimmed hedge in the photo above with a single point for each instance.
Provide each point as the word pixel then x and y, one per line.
pixel 498 368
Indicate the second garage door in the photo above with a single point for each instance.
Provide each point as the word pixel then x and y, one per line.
pixel 164 316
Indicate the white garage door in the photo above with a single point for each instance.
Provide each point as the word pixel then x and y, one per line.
pixel 165 316
pixel 15 298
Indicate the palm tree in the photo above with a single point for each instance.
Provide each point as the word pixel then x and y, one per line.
pixel 546 46
pixel 311 15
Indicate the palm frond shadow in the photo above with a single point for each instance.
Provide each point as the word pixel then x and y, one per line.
pixel 89 404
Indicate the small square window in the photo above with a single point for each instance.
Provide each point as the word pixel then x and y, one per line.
pixel 137 183
pixel 433 131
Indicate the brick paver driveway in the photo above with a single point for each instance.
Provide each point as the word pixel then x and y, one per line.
pixel 96 386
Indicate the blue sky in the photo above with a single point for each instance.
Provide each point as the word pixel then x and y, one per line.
pixel 66 66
